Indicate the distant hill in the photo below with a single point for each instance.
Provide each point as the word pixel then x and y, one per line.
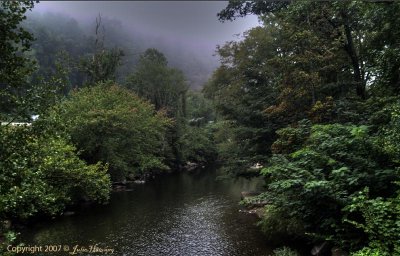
pixel 57 32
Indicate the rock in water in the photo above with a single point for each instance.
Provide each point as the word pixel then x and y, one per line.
pixel 321 249
pixel 247 194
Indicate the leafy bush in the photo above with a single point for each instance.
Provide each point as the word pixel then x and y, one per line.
pixel 381 222
pixel 390 139
pixel 314 183
pixel 290 138
pixel 277 228
pixel 111 124
pixel 42 175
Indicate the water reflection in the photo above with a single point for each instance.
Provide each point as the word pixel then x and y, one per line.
pixel 181 214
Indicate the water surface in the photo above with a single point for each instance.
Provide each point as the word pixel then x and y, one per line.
pixel 177 214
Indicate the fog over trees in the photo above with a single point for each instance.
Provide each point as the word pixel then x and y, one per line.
pixel 187 33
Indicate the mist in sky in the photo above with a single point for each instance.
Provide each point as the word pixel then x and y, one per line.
pixel 187 28
pixel 191 22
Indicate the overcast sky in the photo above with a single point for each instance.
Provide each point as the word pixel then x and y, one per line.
pixel 191 23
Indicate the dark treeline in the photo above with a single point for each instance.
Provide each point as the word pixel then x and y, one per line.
pixel 80 112
pixel 313 96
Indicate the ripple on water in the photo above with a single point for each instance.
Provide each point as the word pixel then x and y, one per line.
pixel 178 215
pixel 194 229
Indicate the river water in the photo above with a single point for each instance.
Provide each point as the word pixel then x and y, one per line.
pixel 177 214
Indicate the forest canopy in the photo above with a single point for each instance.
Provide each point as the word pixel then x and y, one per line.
pixel 313 96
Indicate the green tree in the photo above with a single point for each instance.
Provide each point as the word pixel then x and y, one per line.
pixel 316 60
pixel 358 28
pixel 41 175
pixel 102 65
pixel 242 88
pixel 197 145
pixel 15 66
pixel 110 124
pixel 166 88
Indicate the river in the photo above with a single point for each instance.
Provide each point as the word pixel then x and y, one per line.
pixel 176 214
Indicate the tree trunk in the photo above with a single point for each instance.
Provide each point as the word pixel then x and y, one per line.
pixel 351 51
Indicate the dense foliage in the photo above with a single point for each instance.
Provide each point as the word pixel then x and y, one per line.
pixel 111 124
pixel 90 131
pixel 152 79
pixel 42 175
pixel 315 183
pixel 312 95
pixel 167 89
pixel 15 65
pixel 199 135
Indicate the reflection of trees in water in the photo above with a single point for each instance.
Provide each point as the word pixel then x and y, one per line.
pixel 180 214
